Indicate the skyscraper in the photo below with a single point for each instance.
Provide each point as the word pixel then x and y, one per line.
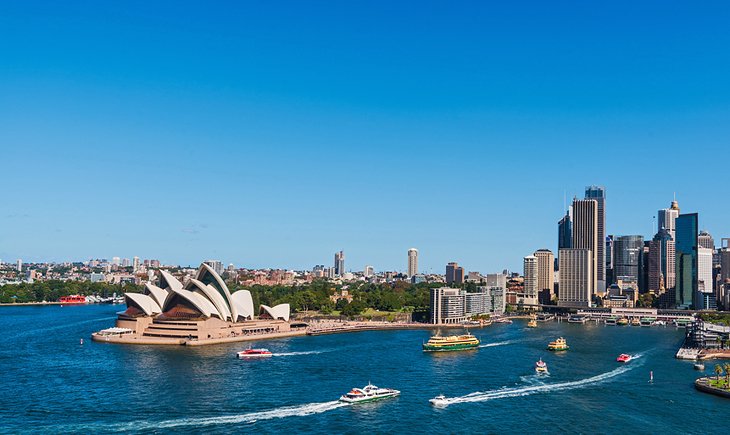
pixel 531 280
pixel 576 267
pixel 545 270
pixel 565 232
pixel 610 276
pixel 454 273
pixel 659 267
pixel 705 240
pixel 135 264
pixel 585 235
pixel 339 263
pixel 368 272
pixel 599 194
pixel 412 262
pixel 19 265
pixel 666 219
pixel 686 259
pixel 627 257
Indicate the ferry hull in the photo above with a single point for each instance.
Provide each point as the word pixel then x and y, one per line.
pixel 369 399
pixel 449 347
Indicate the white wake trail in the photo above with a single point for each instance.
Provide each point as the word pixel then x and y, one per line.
pixel 499 343
pixel 308 352
pixel 534 389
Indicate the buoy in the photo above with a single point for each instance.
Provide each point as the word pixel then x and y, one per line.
pixel 81 341
pixel 651 376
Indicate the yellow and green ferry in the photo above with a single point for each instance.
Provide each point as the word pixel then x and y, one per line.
pixel 451 343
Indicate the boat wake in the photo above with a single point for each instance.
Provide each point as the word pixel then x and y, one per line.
pixel 251 417
pixel 308 352
pixel 504 393
pixel 499 343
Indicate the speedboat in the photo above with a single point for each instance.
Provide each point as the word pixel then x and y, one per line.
pixel 541 367
pixel 532 323
pixel 255 353
pixel 559 344
pixel 439 400
pixel 624 358
pixel 369 393
pixel 699 366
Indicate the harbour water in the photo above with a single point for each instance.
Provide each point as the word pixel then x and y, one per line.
pixel 51 383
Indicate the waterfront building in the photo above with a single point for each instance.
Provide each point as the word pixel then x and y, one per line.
pixel 412 262
pixel 530 287
pixel 576 280
pixel 454 273
pixel 598 193
pixel 339 268
pixel 628 251
pixel 447 305
pixel 686 246
pixel 545 270
pixel 565 232
pixel 585 236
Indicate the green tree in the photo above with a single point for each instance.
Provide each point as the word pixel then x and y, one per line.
pixel 718 371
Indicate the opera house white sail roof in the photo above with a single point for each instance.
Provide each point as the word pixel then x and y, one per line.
pixel 204 296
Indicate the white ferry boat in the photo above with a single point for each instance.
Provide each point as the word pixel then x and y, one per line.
pixel 541 367
pixel 369 393
pixel 439 400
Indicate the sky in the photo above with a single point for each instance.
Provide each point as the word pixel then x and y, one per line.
pixel 273 134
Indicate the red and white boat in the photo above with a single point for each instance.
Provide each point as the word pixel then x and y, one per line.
pixel 72 300
pixel 255 353
pixel 624 358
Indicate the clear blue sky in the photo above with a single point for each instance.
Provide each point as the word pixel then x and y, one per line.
pixel 275 133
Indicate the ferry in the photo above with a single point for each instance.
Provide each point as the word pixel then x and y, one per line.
pixel 451 343
pixel 72 300
pixel 439 400
pixel 369 393
pixel 577 319
pixel 611 321
pixel 647 321
pixel 502 320
pixel 532 323
pixel 255 353
pixel 635 322
pixel 624 358
pixel 622 321
pixel 545 317
pixel 541 367
pixel 558 345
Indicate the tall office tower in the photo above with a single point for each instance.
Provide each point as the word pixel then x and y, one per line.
pixel 125 262
pixel 545 270
pixel 530 274
pixel 659 267
pixel 368 272
pixel 599 194
pixel 667 216
pixel 704 270
pixel 585 235
pixel 497 280
pixel 135 264
pixel 412 262
pixel 705 240
pixel 686 246
pixel 459 275
pixel 724 284
pixel 610 275
pixel 576 280
pixel 216 265
pixel 339 263
pixel 627 257
pixel 116 261
pixel 19 265
pixel 451 272
pixel 565 232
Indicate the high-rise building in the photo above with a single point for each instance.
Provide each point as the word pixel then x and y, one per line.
pixel 686 246
pixel 454 273
pixel 19 265
pixel 447 305
pixel 530 274
pixel 576 280
pixel 368 272
pixel 565 232
pixel 496 280
pixel 135 264
pixel 339 263
pixel 585 236
pixel 705 240
pixel 666 219
pixel 659 267
pixel 126 262
pixel 116 261
pixel 627 251
pixel 704 270
pixel 412 262
pixel 545 270
pixel 598 193
pixel 216 265
pixel 610 275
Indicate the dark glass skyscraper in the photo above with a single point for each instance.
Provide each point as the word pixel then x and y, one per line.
pixel 627 252
pixel 565 232
pixel 686 259
pixel 599 194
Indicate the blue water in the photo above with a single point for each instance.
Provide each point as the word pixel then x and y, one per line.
pixel 50 383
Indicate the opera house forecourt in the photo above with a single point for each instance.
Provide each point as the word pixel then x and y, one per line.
pixel 202 311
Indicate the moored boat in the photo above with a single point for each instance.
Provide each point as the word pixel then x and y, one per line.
pixel 635 322
pixel 451 343
pixel 558 345
pixel 254 353
pixel 624 358
pixel 532 323
pixel 72 300
pixel 611 321
pixel 541 367
pixel 369 393
pixel 577 319
pixel 622 321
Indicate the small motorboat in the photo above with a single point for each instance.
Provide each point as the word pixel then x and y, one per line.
pixel 699 366
pixel 541 367
pixel 624 358
pixel 532 323
pixel 369 393
pixel 439 400
pixel 254 353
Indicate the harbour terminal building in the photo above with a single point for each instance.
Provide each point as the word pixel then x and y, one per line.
pixel 201 311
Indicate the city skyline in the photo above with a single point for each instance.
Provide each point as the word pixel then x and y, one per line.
pixel 246 134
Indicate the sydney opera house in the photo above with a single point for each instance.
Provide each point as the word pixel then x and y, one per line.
pixel 201 311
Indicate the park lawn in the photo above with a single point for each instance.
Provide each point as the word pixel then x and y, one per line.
pixel 721 383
